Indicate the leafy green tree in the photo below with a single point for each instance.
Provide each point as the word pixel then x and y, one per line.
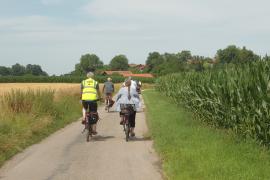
pixel 18 70
pixel 35 70
pixel 89 62
pixel 78 70
pixel 154 59
pixel 247 55
pixel 233 54
pixel 228 55
pixel 184 56
pixel 5 71
pixel 119 62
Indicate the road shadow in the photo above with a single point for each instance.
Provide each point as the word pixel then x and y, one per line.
pixel 102 138
pixel 140 139
pixel 112 111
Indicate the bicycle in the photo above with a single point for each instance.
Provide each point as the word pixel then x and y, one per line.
pixel 91 119
pixel 126 110
pixel 108 102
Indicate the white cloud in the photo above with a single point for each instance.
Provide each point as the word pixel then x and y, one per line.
pixel 193 11
pixel 135 28
pixel 150 9
pixel 37 28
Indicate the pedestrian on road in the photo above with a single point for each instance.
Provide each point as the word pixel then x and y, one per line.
pixel 90 95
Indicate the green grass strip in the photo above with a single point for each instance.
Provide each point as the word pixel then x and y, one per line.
pixel 191 150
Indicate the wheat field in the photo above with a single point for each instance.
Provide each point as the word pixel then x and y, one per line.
pixel 7 87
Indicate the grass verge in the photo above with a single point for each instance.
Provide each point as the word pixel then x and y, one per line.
pixel 26 117
pixel 192 150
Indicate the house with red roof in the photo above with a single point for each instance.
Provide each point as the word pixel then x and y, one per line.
pixel 145 75
pixel 116 72
pixel 127 74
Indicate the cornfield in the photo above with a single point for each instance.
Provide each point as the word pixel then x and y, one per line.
pixel 235 97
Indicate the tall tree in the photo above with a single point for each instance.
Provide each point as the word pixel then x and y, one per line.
pixel 233 54
pixel 154 59
pixel 90 62
pixel 184 56
pixel 119 62
pixel 35 70
pixel 5 71
pixel 17 70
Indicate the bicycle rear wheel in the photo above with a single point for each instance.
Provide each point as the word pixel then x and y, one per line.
pixel 89 133
pixel 127 129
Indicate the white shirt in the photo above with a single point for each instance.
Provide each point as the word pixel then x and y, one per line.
pixel 122 98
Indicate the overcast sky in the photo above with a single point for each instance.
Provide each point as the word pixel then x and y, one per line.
pixel 55 33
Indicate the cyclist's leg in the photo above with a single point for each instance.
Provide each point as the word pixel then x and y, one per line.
pixel 107 100
pixel 111 102
pixel 121 114
pixel 132 118
pixel 84 110
pixel 121 118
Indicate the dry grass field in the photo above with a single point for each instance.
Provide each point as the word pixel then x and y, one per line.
pixel 32 111
pixel 7 87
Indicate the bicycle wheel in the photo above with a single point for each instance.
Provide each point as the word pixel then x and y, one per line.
pixel 127 129
pixel 89 132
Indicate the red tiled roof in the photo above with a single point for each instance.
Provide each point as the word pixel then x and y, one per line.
pixel 139 75
pixel 118 72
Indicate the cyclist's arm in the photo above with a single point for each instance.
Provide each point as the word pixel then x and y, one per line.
pixel 98 92
pixel 103 88
pixel 119 94
pixel 81 90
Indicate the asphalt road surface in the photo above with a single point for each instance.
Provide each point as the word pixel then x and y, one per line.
pixel 65 155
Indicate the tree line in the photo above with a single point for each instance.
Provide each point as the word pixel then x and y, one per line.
pixel 156 63
pixel 162 64
pixel 91 62
pixel 20 70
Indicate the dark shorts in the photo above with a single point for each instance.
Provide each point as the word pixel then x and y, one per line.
pixel 90 106
pixel 108 94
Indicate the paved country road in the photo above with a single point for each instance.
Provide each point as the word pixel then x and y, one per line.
pixel 66 155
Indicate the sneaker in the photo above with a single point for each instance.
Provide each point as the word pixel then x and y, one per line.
pixel 132 134
pixel 83 121
pixel 94 132
pixel 121 122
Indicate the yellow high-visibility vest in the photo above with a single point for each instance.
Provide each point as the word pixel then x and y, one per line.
pixel 89 91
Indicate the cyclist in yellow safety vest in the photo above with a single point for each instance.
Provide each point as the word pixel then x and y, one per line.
pixel 90 95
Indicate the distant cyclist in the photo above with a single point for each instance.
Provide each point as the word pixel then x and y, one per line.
pixel 128 96
pixel 90 95
pixel 108 90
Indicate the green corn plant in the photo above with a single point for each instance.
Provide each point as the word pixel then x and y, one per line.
pixel 235 97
